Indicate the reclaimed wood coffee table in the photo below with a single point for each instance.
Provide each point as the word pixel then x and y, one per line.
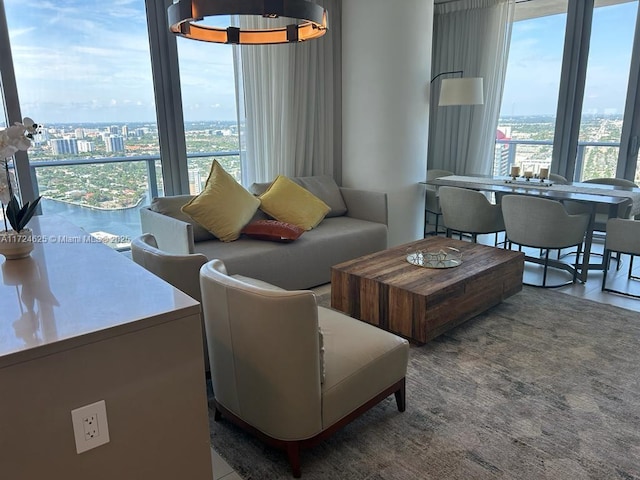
pixel 420 303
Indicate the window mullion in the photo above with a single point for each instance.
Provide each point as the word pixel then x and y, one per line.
pixel 9 91
pixel 166 81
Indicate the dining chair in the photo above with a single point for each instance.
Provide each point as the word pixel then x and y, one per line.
pixel 469 212
pixel 432 203
pixel 623 237
pixel 558 179
pixel 544 224
pixel 602 211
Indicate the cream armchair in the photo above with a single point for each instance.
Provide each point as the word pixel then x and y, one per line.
pixel 181 271
pixel 289 371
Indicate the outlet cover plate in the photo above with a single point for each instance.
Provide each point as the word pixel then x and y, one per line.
pixel 90 427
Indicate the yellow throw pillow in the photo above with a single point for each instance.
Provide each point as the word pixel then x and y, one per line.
pixel 224 207
pixel 288 202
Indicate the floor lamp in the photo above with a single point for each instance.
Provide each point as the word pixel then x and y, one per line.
pixel 460 91
pixel 456 91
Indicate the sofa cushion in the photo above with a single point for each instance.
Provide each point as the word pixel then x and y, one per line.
pixel 224 206
pixel 172 207
pixel 322 186
pixel 326 189
pixel 288 202
pixel 272 230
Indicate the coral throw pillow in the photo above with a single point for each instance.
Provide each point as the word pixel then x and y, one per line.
pixel 273 230
pixel 224 206
pixel 288 202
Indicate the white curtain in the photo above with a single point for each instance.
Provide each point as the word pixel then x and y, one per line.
pixel 291 96
pixel 472 36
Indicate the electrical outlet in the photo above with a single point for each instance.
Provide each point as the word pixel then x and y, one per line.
pixel 90 426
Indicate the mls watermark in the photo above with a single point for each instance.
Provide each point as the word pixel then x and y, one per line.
pixel 75 239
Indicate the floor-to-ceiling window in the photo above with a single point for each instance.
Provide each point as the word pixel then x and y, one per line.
pixel 529 113
pixel 209 107
pixel 82 70
pixel 87 71
pixel 607 79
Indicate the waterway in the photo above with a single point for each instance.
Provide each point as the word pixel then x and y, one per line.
pixel 124 222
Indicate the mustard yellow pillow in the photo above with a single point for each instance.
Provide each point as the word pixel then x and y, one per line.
pixel 288 202
pixel 224 207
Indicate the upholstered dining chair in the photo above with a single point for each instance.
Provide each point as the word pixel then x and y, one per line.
pixel 559 179
pixel 181 271
pixel 544 224
pixel 623 237
pixel 432 203
pixel 602 211
pixel 289 371
pixel 469 212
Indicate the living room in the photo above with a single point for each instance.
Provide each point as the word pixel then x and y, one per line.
pixel 375 138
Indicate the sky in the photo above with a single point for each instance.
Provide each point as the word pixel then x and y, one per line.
pixel 88 61
pixel 533 74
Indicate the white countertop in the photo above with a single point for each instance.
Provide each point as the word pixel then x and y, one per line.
pixel 72 289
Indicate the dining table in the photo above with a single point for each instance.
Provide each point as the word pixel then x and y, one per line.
pixel 591 194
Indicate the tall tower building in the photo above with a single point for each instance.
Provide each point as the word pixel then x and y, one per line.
pixel 195 181
pixel 125 131
pixel 85 146
pixel 61 146
pixel 80 133
pixel 114 143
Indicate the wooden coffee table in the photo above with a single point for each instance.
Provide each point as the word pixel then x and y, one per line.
pixel 420 303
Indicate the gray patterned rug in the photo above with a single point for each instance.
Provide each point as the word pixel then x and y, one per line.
pixel 543 386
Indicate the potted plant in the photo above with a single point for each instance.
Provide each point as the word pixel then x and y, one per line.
pixel 16 242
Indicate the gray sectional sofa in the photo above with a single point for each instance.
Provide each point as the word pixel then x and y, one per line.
pixel 355 226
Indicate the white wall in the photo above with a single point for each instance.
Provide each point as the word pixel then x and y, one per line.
pixel 386 66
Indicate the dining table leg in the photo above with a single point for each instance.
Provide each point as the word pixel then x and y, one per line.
pixel 588 241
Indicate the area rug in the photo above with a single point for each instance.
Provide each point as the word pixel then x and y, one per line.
pixel 542 386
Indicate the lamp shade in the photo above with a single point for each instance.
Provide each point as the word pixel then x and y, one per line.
pixel 461 91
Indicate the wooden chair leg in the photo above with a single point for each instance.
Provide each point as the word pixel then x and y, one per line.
pixel 401 399
pixel 293 453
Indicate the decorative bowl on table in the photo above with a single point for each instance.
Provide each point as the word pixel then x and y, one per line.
pixel 446 257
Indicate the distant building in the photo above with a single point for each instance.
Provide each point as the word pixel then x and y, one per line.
pixel 501 163
pixel 195 181
pixel 114 130
pixel 139 132
pixel 79 133
pixel 114 143
pixel 125 131
pixel 85 146
pixel 62 146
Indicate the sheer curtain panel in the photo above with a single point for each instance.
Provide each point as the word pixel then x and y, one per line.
pixel 472 36
pixel 292 104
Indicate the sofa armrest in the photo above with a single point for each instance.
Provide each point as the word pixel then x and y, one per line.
pixel 172 235
pixel 365 204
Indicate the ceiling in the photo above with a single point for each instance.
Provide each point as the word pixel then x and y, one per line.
pixel 526 9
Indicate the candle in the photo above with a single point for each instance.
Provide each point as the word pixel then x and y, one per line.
pixel 528 174
pixel 515 171
pixel 544 173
